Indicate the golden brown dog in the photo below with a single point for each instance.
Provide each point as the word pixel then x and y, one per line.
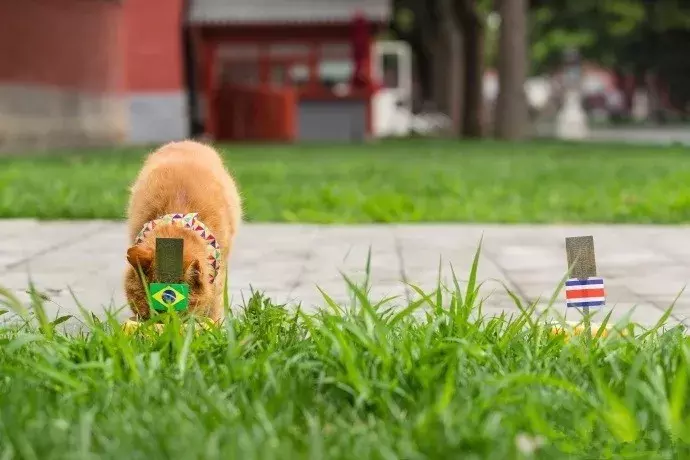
pixel 183 191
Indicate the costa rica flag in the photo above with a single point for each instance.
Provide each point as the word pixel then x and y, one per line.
pixel 582 293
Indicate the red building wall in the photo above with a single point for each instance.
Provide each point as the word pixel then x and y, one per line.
pixel 154 47
pixel 61 78
pixel 74 44
pixel 156 100
pixel 90 71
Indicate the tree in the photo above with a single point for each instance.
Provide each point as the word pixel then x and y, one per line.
pixel 511 108
pixel 447 37
pixel 416 24
pixel 638 39
pixel 436 38
pixel 448 65
pixel 471 19
pixel 425 27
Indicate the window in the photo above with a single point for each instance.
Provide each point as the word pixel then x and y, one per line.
pixel 335 72
pixel 240 72
pixel 390 70
pixel 299 50
pixel 239 63
pixel 336 50
pixel 278 74
pixel 239 51
pixel 299 74
pixel 335 64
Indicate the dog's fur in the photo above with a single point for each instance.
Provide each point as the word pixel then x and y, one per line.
pixel 183 177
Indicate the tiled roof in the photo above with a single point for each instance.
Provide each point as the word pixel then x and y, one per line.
pixel 253 11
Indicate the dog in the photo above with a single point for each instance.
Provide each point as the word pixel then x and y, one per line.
pixel 183 190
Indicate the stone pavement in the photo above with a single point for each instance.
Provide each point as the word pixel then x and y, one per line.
pixel 643 135
pixel 643 266
pixel 663 135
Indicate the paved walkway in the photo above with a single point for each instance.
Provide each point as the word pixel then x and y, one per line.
pixel 646 266
pixel 664 135
pixel 643 135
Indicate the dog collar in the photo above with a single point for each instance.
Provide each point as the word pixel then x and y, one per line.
pixel 191 222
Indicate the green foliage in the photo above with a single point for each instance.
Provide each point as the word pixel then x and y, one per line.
pixel 398 181
pixel 431 378
pixel 613 32
pixel 411 16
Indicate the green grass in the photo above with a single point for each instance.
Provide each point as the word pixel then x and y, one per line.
pixel 413 181
pixel 358 382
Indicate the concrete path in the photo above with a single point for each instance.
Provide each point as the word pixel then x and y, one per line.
pixel 651 135
pixel 642 135
pixel 643 266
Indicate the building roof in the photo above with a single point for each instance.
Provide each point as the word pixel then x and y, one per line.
pixel 268 11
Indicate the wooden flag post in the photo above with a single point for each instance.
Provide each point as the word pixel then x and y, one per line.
pixel 584 289
pixel 581 259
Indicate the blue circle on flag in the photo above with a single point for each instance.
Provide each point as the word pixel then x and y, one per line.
pixel 169 296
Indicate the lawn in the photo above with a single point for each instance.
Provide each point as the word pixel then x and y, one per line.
pixel 356 382
pixel 397 181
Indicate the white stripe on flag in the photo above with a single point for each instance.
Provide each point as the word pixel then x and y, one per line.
pixel 586 299
pixel 586 286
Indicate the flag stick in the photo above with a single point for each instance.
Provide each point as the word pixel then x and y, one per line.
pixel 581 259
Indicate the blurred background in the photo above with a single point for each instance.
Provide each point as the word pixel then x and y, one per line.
pixel 77 73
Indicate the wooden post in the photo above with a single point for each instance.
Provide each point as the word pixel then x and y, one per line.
pixel 169 260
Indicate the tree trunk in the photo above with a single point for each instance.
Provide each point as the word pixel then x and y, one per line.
pixel 512 116
pixel 472 31
pixel 629 88
pixel 441 86
pixel 448 66
pixel 420 37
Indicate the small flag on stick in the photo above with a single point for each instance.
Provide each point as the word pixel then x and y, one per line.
pixel 170 290
pixel 584 289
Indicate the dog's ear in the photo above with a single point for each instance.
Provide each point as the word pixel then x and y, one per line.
pixel 194 274
pixel 139 255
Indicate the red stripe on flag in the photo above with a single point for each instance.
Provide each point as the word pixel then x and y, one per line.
pixel 582 293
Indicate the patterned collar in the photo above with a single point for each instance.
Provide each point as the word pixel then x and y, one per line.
pixel 191 222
